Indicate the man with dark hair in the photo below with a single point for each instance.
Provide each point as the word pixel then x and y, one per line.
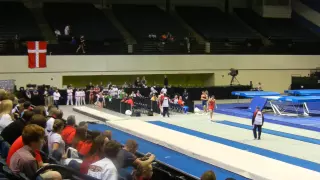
pixel 105 169
pixel 14 130
pixel 23 160
pixel 83 124
pixel 208 175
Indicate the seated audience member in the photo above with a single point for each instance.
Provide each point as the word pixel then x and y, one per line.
pixel 133 94
pixel 57 33
pixel 6 116
pixel 80 141
pixel 54 113
pixel 126 156
pixel 19 107
pixel 18 143
pixel 143 173
pixel 180 101
pixel 56 145
pixel 2 94
pixel 208 175
pixel 138 94
pixel 40 110
pixel 23 160
pixel 108 133
pixel 104 169
pixel 175 99
pixel 130 101
pixel 95 154
pixel 68 133
pixel 14 130
pixel 164 90
pixel 83 124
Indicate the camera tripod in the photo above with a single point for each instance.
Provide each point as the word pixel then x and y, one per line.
pixel 234 80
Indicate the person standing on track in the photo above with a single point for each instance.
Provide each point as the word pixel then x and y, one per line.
pixel 211 106
pixel 257 122
pixel 204 100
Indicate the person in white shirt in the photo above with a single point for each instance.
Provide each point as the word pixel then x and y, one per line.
pixel 70 96
pixel 176 99
pixel 53 114
pixel 67 30
pixel 164 90
pixel 104 169
pixel 57 32
pixel 257 123
pixel 5 114
pixel 82 97
pixel 133 94
pixel 165 105
pixel 56 97
pixel 55 141
pixel 77 94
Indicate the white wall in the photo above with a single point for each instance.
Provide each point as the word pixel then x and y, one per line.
pixel 273 71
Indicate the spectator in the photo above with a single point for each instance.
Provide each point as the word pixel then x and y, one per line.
pixel 126 156
pixel 57 33
pixel 26 107
pixel 16 43
pixel 82 45
pixel 125 85
pixel 19 107
pixel 133 94
pixel 53 114
pixel 56 98
pixel 164 90
pixel 79 140
pixel 56 145
pixel 73 40
pixel 137 82
pixel 95 153
pixel 154 97
pixel 23 160
pixel 40 110
pixel 108 133
pixel 144 82
pixel 153 90
pixel 138 94
pixel 18 143
pixel 14 130
pixel 130 101
pixel 166 81
pixel 175 99
pixel 180 101
pixel 104 169
pixel 142 172
pixel 46 97
pixel 208 175
pixel 6 116
pixel 185 95
pixel 68 133
pixel 83 124
pixel 67 30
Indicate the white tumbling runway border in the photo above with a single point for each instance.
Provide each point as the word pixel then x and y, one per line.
pixel 98 114
pixel 241 162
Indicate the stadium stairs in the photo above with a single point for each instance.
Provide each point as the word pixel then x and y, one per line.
pixel 126 35
pixel 42 23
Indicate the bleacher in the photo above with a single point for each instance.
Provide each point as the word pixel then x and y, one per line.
pixel 140 21
pixel 85 20
pixel 225 33
pixel 286 35
pixel 16 19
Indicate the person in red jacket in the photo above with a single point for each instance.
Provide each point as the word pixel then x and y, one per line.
pixel 130 101
pixel 257 123
pixel 69 131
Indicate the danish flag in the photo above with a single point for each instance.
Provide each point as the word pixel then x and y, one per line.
pixel 37 51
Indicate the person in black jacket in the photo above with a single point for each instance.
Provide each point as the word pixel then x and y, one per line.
pixel 257 123
pixel 14 130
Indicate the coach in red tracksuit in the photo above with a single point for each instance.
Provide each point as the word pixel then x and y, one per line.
pixel 257 123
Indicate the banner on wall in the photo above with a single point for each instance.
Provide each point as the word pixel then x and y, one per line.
pixel 8 85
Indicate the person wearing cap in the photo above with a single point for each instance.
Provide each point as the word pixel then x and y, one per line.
pixel 257 122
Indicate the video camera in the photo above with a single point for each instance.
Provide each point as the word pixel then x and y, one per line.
pixel 233 72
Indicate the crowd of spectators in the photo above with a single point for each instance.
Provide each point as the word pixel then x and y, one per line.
pixel 37 131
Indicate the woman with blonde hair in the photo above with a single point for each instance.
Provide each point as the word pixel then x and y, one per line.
pixel 56 145
pixel 6 117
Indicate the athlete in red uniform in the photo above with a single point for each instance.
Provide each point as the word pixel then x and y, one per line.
pixel 211 106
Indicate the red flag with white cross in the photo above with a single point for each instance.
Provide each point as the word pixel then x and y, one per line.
pixel 37 52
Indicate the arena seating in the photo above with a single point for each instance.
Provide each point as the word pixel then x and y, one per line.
pixel 84 19
pixel 16 19
pixel 225 33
